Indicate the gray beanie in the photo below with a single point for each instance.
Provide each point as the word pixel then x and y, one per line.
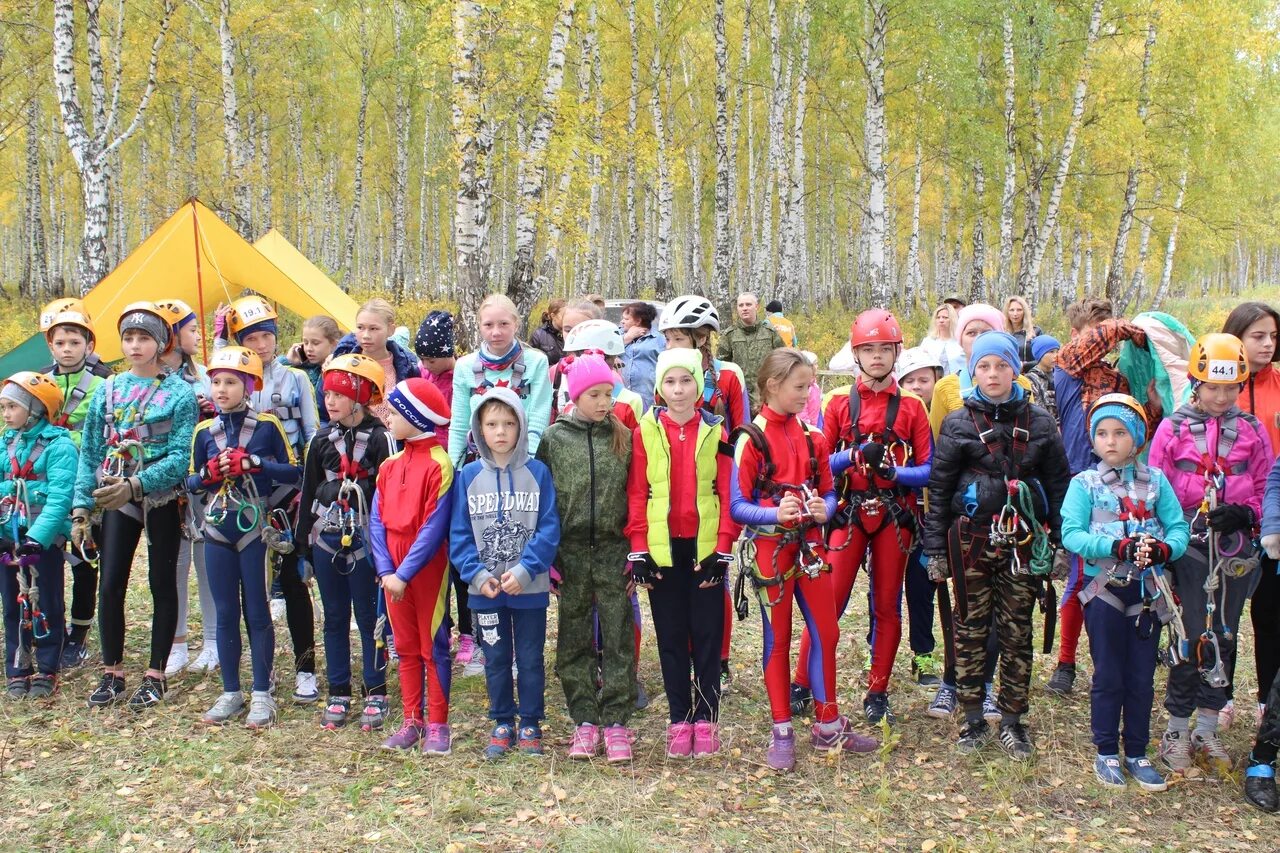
pixel 24 398
pixel 148 323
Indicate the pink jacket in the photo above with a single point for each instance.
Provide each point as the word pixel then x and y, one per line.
pixel 1181 462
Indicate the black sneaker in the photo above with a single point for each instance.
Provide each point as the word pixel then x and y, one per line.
pixel 1014 739
pixel 973 735
pixel 1062 680
pixel 1260 786
pixel 42 686
pixel 108 692
pixel 801 700
pixel 18 687
pixel 149 694
pixel 74 654
pixel 924 669
pixel 876 708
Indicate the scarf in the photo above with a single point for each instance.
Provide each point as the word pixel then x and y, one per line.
pixel 489 361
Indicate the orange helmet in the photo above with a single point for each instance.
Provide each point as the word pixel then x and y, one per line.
pixel 1218 359
pixel 364 369
pixel 146 317
pixel 247 311
pixel 74 317
pixel 56 307
pixel 239 359
pixel 35 386
pixel 175 311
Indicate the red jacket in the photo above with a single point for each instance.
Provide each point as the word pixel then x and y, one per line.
pixel 1261 398
pixel 911 425
pixel 410 520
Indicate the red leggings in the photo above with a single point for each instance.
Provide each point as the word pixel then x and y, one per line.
pixel 1071 614
pixel 729 615
pixel 818 609
pixel 887 569
pixel 422 642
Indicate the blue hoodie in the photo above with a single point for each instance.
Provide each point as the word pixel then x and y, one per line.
pixel 505 519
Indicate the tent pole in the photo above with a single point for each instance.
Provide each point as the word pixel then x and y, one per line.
pixel 195 232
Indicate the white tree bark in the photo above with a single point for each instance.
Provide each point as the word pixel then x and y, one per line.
pixel 978 284
pixel 877 24
pixel 915 279
pixel 1004 270
pixel 722 259
pixel 357 177
pixel 400 172
pixel 93 143
pixel 233 140
pixel 1139 279
pixel 522 287
pixel 795 256
pixel 662 247
pixel 35 260
pixel 763 266
pixel 473 141
pixel 1166 274
pixel 1028 276
pixel 1115 275
pixel 632 276
pixel 591 79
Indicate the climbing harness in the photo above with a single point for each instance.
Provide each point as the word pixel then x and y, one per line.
pixel 347 515
pixel 1015 526
pixel 872 502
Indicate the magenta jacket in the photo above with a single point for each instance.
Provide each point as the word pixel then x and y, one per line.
pixel 1247 463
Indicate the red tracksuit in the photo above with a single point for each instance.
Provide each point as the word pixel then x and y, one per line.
pixel 888 543
pixel 789 452
pixel 409 532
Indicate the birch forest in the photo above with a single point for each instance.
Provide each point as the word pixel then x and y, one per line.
pixel 854 151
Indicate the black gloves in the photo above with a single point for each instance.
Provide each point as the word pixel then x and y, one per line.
pixel 1226 519
pixel 644 571
pixel 879 462
pixel 29 547
pixel 1142 551
pixel 1125 550
pixel 716 567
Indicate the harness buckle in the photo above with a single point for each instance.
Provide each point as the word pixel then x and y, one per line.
pixel 1021 434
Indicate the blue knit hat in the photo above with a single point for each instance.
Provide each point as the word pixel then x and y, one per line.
pixel 1042 344
pixel 435 336
pixel 1123 408
pixel 268 325
pixel 1000 344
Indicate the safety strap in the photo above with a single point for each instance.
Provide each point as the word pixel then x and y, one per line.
pixel 75 397
pixel 350 467
pixel 271 390
pixel 136 429
pixel 1228 432
pixel 765 484
pixel 1131 508
pixel 995 444
pixel 1152 599
pixel 517 383
pixel 218 431
pixel 853 439
pixel 25 471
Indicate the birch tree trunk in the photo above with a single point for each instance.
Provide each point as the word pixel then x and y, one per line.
pixel 722 257
pixel 662 247
pixel 632 277
pixel 1166 275
pixel 357 177
pixel 795 261
pixel 1144 243
pixel 1029 275
pixel 473 141
pixel 873 63
pixel 978 284
pixel 521 286
pixel 1004 270
pixel 1115 275
pixel 591 78
pixel 762 273
pixel 35 274
pixel 233 140
pixel 915 279
pixel 400 172
pixel 92 143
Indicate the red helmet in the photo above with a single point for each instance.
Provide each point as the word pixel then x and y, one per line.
pixel 875 326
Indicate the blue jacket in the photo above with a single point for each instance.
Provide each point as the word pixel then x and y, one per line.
pixel 1071 416
pixel 267 442
pixel 405 364
pixel 54 472
pixel 1271 502
pixel 1092 538
pixel 505 519
pixel 640 364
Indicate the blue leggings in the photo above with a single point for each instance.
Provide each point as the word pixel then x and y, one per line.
pixel 236 577
pixel 344 587
pixel 26 653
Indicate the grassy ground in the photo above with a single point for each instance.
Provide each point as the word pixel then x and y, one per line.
pixel 94 780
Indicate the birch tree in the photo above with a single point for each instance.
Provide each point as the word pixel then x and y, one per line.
pixel 662 245
pixel 93 139
pixel 357 179
pixel 722 253
pixel 1115 275
pixel 473 142
pixel 877 24
pixel 1009 193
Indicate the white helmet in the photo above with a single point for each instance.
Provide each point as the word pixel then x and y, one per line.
pixel 595 334
pixel 915 358
pixel 688 312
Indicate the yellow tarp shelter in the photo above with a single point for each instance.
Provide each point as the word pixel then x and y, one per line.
pixel 196 257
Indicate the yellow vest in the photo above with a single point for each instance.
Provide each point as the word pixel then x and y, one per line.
pixel 784 327
pixel 658 472
pixel 632 399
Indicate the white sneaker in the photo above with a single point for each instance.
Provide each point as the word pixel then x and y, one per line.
pixel 305 690
pixel 277 609
pixel 475 666
pixel 179 657
pixel 207 660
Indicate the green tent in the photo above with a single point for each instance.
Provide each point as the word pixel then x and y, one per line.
pixel 31 354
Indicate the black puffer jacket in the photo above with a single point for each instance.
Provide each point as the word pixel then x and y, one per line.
pixel 960 458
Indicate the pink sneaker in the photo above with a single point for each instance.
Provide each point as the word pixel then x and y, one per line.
pixel 782 751
pixel 586 742
pixel 679 740
pixel 466 648
pixel 844 737
pixel 706 739
pixel 439 741
pixel 617 744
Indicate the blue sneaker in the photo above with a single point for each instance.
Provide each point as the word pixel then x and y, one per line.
pixel 499 741
pixel 1107 769
pixel 1145 774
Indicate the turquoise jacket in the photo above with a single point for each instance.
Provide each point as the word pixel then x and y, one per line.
pixel 166 457
pixel 54 471
pixel 535 392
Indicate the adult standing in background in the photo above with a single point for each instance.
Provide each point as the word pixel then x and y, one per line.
pixel 750 341
pixel 640 358
pixel 548 337
pixel 941 343
pixel 1018 322
pixel 784 327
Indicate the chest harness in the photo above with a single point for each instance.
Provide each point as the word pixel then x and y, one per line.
pixel 127 437
pixel 237 498
pixel 873 506
pixel 347 516
pixel 17 514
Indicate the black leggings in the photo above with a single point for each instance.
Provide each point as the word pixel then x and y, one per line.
pixel 1264 612
pixel 298 613
pixel 464 610
pixel 120 535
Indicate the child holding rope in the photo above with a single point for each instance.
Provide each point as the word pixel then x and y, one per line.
pixel 339 475
pixel 237 458
pixel 1123 519
pixel 77 371
pixel 588 452
pixel 1217 458
pixel 998 477
pixel 682 546
pixel 781 490
pixel 408 532
pixel 35 502
pixel 135 452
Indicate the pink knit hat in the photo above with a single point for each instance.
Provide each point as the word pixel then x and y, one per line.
pixel 988 314
pixel 587 371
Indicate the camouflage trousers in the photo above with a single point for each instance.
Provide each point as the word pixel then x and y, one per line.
pixel 983 582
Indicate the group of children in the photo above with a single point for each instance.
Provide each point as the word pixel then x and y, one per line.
pixel 399 480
